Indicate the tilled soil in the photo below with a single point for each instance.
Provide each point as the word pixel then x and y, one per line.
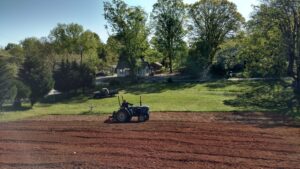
pixel 168 140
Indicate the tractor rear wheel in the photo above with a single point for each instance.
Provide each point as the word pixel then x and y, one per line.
pixel 122 116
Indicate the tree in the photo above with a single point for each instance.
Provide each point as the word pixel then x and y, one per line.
pixel 66 38
pixel 88 77
pixel 90 44
pixel 169 17
pixel 72 76
pixel 227 58
pixel 13 60
pixel 35 72
pixel 285 16
pixel 62 77
pixel 48 51
pixel 23 92
pixel 262 51
pixel 7 89
pixel 152 55
pixel 15 51
pixel 213 21
pixel 128 24
pixel 109 54
pixel 71 42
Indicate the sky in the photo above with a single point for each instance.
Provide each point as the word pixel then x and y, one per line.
pixel 20 19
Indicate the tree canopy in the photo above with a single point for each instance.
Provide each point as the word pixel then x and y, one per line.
pixel 212 22
pixel 168 19
pixel 7 89
pixel 129 26
pixel 35 73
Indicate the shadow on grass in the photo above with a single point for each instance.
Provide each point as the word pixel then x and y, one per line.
pixel 91 113
pixel 265 96
pixel 147 88
pixel 65 98
pixel 237 84
pixel 10 108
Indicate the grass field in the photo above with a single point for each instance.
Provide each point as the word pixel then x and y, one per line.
pixel 218 96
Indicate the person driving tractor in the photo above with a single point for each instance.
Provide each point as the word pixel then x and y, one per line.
pixel 126 104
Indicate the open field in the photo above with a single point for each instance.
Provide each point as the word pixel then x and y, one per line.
pixel 168 140
pixel 218 96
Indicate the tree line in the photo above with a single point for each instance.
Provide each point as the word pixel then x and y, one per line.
pixel 65 60
pixel 209 38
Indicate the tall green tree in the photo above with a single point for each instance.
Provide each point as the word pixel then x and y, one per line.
pixel 23 92
pixel 168 19
pixel 262 50
pixel 7 76
pixel 66 38
pixel 90 43
pixel 129 26
pixel 112 48
pixel 109 54
pixel 14 60
pixel 48 51
pixel 285 16
pixel 35 72
pixel 16 51
pixel 62 77
pixel 212 22
pixel 72 76
pixel 71 42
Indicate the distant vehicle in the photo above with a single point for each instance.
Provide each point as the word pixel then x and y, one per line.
pixel 104 93
pixel 101 74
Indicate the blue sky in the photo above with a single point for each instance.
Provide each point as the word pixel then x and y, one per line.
pixel 27 18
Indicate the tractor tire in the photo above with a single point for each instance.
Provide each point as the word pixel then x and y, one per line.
pixel 143 118
pixel 122 116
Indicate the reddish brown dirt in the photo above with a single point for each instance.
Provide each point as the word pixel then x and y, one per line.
pixel 168 140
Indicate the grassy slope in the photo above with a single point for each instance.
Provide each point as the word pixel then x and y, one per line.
pixel 205 97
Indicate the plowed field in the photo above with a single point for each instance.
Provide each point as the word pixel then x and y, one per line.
pixel 168 140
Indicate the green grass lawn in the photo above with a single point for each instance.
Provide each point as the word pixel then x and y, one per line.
pixel 216 96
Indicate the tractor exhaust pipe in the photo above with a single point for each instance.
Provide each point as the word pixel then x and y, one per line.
pixel 140 100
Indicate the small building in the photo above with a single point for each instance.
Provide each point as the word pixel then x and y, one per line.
pixel 144 70
pixel 123 69
pixel 156 66
pixel 123 72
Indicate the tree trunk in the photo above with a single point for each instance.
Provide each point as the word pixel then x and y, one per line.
pixel 297 86
pixel 291 62
pixel 31 103
pixel 170 60
pixel 17 103
pixel 297 80
pixel 171 67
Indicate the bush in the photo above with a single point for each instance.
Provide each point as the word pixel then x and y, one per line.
pixel 197 62
pixel 114 82
pixel 37 76
pixel 218 70
pixel 71 77
pixel 170 80
pixel 23 92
